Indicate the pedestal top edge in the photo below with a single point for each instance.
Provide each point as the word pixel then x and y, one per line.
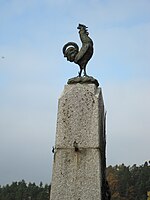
pixel 89 87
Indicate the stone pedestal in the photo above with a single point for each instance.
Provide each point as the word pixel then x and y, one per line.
pixel 79 155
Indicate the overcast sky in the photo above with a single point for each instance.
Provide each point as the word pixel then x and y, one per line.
pixel 33 73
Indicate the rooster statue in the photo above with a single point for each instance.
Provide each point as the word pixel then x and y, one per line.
pixel 72 53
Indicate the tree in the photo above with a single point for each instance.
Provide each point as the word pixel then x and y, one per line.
pixel 129 183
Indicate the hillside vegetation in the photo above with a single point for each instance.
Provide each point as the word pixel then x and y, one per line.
pixel 125 182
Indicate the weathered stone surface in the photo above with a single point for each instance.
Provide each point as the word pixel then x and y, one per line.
pixel 78 116
pixel 77 173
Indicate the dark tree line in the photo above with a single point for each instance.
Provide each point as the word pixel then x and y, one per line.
pixel 129 182
pixel 23 191
pixel 125 182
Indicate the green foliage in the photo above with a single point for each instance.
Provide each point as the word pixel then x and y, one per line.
pixel 22 191
pixel 129 183
pixel 126 183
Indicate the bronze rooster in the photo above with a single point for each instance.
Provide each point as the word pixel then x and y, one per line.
pixel 72 53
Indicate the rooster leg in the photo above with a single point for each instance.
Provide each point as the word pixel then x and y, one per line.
pixel 80 72
pixel 85 74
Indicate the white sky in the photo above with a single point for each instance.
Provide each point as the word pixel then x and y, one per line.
pixel 33 73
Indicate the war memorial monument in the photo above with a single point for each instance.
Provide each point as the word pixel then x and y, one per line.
pixel 79 154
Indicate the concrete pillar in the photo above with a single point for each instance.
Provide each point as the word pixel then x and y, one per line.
pixel 79 156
